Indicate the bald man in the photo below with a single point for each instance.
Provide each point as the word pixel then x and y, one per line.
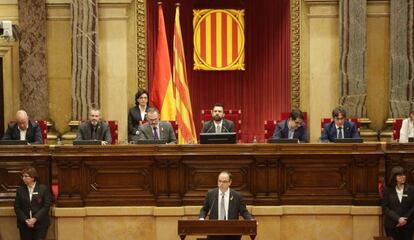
pixel 24 129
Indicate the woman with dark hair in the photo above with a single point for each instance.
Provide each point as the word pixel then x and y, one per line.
pixel 398 206
pixel 136 115
pixel 31 206
pixel 407 128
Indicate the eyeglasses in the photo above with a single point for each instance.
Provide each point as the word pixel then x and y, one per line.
pixel 339 119
pixel 223 181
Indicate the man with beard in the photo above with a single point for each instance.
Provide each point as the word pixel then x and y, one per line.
pixel 154 129
pixel 94 129
pixel 218 124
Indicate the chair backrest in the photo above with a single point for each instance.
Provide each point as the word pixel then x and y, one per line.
pixel 233 115
pixel 113 127
pixel 174 125
pixel 396 127
pixel 269 128
pixel 43 129
pixel 354 120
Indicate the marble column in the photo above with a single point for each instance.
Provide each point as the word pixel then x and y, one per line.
pixel 402 59
pixel 34 95
pixel 85 60
pixel 353 44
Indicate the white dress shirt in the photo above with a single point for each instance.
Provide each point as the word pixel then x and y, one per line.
pixel 219 125
pixel 23 134
pixel 406 131
pixel 226 202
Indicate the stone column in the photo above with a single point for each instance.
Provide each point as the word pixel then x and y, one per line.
pixel 34 95
pixel 402 59
pixel 353 47
pixel 85 60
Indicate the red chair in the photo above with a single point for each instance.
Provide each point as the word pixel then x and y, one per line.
pixel 174 125
pixel 43 129
pixel 269 128
pixel 113 127
pixel 233 115
pixel 396 127
pixel 354 120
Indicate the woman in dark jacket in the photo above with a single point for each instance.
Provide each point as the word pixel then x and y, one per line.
pixel 32 206
pixel 137 114
pixel 398 206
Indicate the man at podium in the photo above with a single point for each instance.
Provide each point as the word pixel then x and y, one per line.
pixel 223 203
pixel 218 124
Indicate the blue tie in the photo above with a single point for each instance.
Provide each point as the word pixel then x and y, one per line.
pixel 155 134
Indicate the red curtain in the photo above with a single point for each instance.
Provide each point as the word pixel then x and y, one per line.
pixel 262 91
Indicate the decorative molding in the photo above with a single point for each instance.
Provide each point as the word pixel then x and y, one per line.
pixel 295 53
pixel 141 44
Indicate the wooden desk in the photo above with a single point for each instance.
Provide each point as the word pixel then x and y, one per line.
pixel 175 175
pixel 217 228
pixel 400 154
pixel 13 159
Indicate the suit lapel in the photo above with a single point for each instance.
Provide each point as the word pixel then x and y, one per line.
pixel 162 134
pixel 333 130
pixel 99 131
pixel 214 214
pixel 231 212
pixel 29 130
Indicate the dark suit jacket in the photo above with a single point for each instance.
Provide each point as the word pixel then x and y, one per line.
pixel 134 119
pixel 209 127
pixel 33 134
pixel 282 131
pixel 166 132
pixel 39 205
pixel 236 206
pixel 329 131
pixel 393 209
pixel 103 132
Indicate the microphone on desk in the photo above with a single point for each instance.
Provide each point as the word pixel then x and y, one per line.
pixel 208 130
pixel 225 128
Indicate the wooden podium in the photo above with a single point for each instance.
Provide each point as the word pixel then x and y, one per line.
pixel 217 227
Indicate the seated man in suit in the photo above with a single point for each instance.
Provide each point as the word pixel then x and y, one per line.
pixel 293 127
pixel 94 128
pixel 156 129
pixel 24 129
pixel 224 203
pixel 339 127
pixel 218 124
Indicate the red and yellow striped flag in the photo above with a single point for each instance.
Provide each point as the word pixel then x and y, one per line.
pixel 186 129
pixel 162 92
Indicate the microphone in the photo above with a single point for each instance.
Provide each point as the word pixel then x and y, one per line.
pixel 208 130
pixel 211 207
pixel 222 125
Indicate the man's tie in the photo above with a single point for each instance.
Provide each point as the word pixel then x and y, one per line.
pixel 218 129
pixel 340 133
pixel 155 134
pixel 222 215
pixel 94 133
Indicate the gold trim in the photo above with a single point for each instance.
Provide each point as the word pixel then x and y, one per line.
pixel 141 44
pixel 295 49
pixel 295 52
